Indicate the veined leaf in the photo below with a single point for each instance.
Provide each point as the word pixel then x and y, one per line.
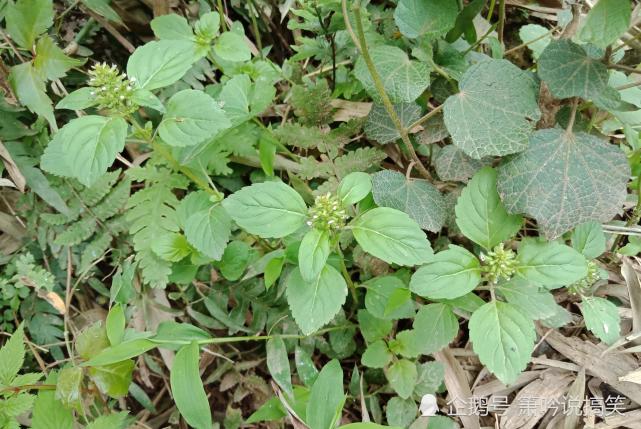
pixel 376 355
pixel 432 18
pixel 550 264
pixel 503 338
pixel 209 230
pixel 161 63
pixel 354 187
pixel 171 27
pixel 535 302
pixel 110 421
pixel 589 239
pixel 27 19
pixel 402 376
pixel 278 365
pixel 50 61
pixel 435 326
pixel 495 111
pixel 30 89
pixel 85 148
pixel 601 318
pixel 326 398
pixel 380 127
pixel 12 356
pixel 313 253
pixel 606 22
pixel 531 32
pixel 187 388
pixel 563 180
pixel 231 46
pixel 453 164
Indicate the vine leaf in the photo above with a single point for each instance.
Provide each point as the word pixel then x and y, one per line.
pixel 570 72
pixel 606 22
pixel 563 180
pixel 418 198
pixel 453 164
pixel 379 125
pixel 403 79
pixel 495 110
pixel 432 18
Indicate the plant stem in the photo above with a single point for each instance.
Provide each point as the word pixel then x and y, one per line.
pixel 634 219
pixel 425 117
pixel 529 42
pixel 624 68
pixel 575 106
pixel 501 24
pixel 221 12
pixel 361 43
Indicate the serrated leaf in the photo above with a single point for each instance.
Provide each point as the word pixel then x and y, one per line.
pixel 270 209
pixel 354 187
pixel 231 46
pixel 12 356
pixel 110 421
pixel 30 89
pixel 171 27
pixel 563 180
pixel 402 376
pixel 50 61
pixel 381 128
pixel 187 388
pixel 431 18
pixel 453 164
pixel 314 304
pixel 243 100
pixel 313 253
pixel 430 377
pixel 161 63
pixel 48 412
pixel 569 71
pixel 68 386
pixel 589 239
pixel 503 338
pixel 278 365
pixel 79 99
pixel 435 326
pixel 481 215
pixel 392 236
pixel 400 412
pixel 379 293
pixel 495 111
pixel 550 264
pixel 85 148
pixel 601 318
pixel 606 22
pixel 404 80
pixel 27 19
pixel 376 355
pixel 534 302
pixel 418 198
pixel 372 328
pixel 209 231
pixel 447 275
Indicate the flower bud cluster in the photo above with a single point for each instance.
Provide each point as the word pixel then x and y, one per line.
pixel 583 286
pixel 500 263
pixel 113 90
pixel 327 213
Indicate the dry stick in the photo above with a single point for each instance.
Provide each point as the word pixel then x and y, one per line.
pixel 529 42
pixel 361 43
pixel 624 68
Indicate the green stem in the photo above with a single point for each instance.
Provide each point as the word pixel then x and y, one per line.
pixel 17 389
pixel 221 12
pixel 634 219
pixel 501 24
pixel 426 117
pixel 361 43
pixel 346 275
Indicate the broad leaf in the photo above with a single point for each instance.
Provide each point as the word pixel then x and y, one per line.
pixel 171 27
pixel 85 148
pixel 495 111
pixel 418 198
pixel 50 61
pixel 453 164
pixel 80 99
pixel 447 274
pixel 354 187
pixel 382 290
pixel 570 72
pixel 432 18
pixel 269 209
pixel 161 63
pixel 314 304
pixel 187 388
pixel 231 46
pixel 209 230
pixel 191 118
pixel 371 327
pixel 242 100
pixel 30 89
pixel 113 380
pixel 27 19
pixel 537 37
pixel 403 79
pixel 503 338
pixel 392 236
pixel 400 412
pixel 589 239
pixel 48 412
pixel 278 365
pixel 435 326
pixel 550 264
pixel 376 355
pixel 563 180
pixel 12 356
pixel 606 22
pixel 534 302
pixel 430 377
pixel 326 398
pixel 601 318
pixel 313 253
pixel 381 128
pixel 481 215
pixel 402 376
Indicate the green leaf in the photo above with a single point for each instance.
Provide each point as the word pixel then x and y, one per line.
pixel 418 198
pixel 432 18
pixel 534 302
pixel 231 46
pixel 392 236
pixel 531 32
pixel 503 338
pixel 305 366
pixel 372 328
pixel 379 293
pixel 171 247
pixel 187 388
pixel 400 412
pixel 366 425
pixel 235 260
pixel 101 7
pixel 191 118
pixel 110 421
pixel 327 398
pixel 68 387
pixel 50 61
pixel 272 410
pixel 243 100
pixel 601 318
pixel 314 304
pixel 30 89
pixel 12 356
pixel 92 340
pixel 209 231
pixel 570 72
pixel 381 128
pixel 312 254
pixel 48 412
pixel 453 164
pixel 435 326
pixel 161 63
pixel 430 377
pixel 123 351
pixel 480 214
pixel 114 379
pixel 563 180
pixel 550 264
pixel 354 187
pixel 269 209
pixel 170 332
pixel 448 274
pixel 79 99
pixel 589 239
pixel 406 343
pixel 27 19
pixel 404 80
pixel 272 271
pixel 146 98
pixel 402 376
pixel 85 148
pixel 172 27
pixel 278 365
pixel 606 22
pixel 208 25
pixel 115 324
pixel 495 111
pixel 376 355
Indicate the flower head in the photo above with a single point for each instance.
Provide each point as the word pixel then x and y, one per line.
pixel 113 90
pixel 499 263
pixel 327 213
